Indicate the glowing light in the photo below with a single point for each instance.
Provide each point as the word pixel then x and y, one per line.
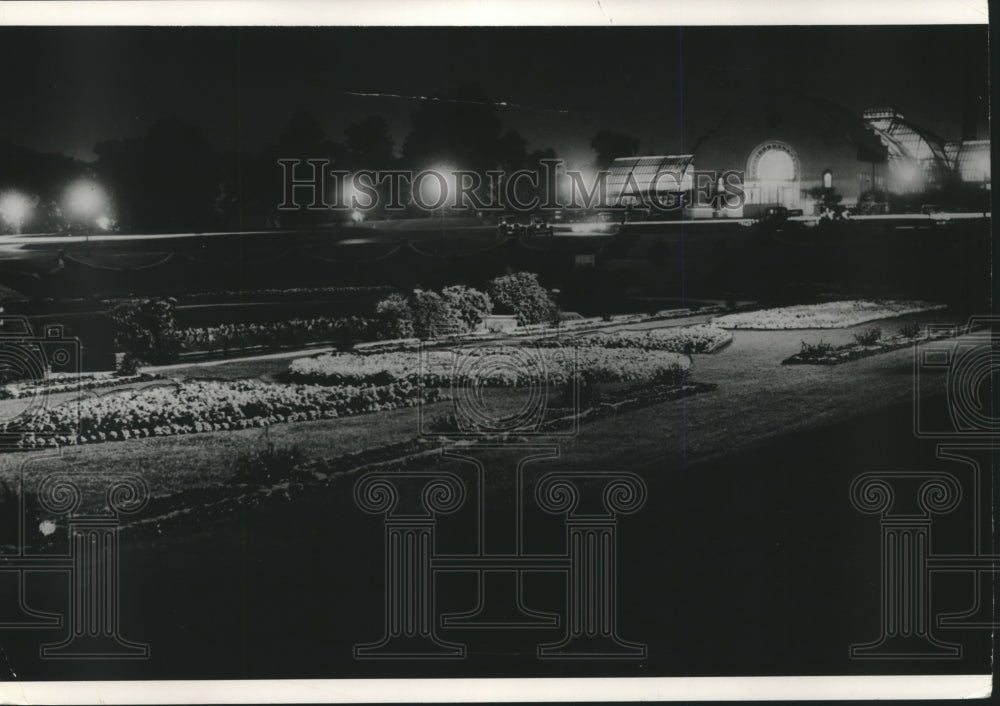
pixel 104 222
pixel 436 187
pixel 16 209
pixel 357 216
pixel 776 165
pixel 908 172
pixel 86 200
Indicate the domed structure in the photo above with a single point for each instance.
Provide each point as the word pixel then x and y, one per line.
pixel 789 146
pixel 917 158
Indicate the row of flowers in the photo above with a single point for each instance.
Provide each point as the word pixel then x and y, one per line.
pixel 702 338
pixel 291 332
pixel 288 292
pixel 495 365
pixel 840 314
pixel 201 406
pixel 68 383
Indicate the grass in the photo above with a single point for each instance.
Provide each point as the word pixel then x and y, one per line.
pixel 171 464
pixel 757 398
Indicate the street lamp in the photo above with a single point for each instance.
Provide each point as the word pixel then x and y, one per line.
pixel 16 209
pixel 86 201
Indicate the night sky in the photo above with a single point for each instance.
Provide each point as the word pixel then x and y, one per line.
pixel 67 88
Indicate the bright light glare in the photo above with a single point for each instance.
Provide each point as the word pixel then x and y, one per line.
pixel 104 222
pixel 86 200
pixel 16 208
pixel 908 172
pixel 776 165
pixel 438 187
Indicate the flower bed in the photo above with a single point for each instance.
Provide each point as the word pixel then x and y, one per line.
pixel 287 293
pixel 506 366
pixel 201 406
pixel 827 315
pixel 227 337
pixel 703 338
pixel 826 354
pixel 69 383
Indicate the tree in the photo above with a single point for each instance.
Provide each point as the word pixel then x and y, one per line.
pixel 303 137
pixel 368 145
pixel 167 179
pixel 394 318
pixel 521 293
pixel 470 305
pixel 147 331
pixel 610 145
pixel 433 316
pixel 460 130
pixel 826 196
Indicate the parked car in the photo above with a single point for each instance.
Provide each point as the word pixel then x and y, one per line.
pixel 540 226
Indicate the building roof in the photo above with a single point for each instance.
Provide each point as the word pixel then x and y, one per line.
pixel 907 140
pixel 972 161
pixel 633 176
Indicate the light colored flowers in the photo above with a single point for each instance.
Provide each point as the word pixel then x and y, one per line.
pixel 701 338
pixel 202 406
pixel 490 365
pixel 826 315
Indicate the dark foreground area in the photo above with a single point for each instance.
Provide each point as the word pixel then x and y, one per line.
pixel 746 564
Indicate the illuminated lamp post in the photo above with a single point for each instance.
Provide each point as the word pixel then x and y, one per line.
pixel 86 202
pixel 16 209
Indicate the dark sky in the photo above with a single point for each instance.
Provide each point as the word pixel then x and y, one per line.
pixel 67 88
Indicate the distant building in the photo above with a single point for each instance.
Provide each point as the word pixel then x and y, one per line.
pixel 636 182
pixel 920 160
pixel 970 160
pixel 916 157
pixel 795 150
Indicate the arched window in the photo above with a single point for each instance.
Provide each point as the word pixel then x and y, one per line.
pixel 827 179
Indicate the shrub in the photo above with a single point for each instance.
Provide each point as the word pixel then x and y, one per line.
pixel 470 305
pixel 433 316
pixel 868 337
pixel 671 375
pixel 268 465
pixel 910 330
pixel 128 366
pixel 522 294
pixel 148 330
pixel 815 351
pixel 394 318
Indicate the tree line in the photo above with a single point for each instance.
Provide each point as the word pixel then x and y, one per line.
pixel 173 178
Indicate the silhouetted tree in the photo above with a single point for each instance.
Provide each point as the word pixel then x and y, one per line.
pixel 368 145
pixel 461 130
pixel 610 145
pixel 167 179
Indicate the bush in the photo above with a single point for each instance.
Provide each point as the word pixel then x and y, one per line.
pixel 148 330
pixel 522 294
pixel 433 316
pixel 394 318
pixel 868 337
pixel 268 465
pixel 815 351
pixel 470 305
pixel 910 330
pixel 672 375
pixel 128 366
